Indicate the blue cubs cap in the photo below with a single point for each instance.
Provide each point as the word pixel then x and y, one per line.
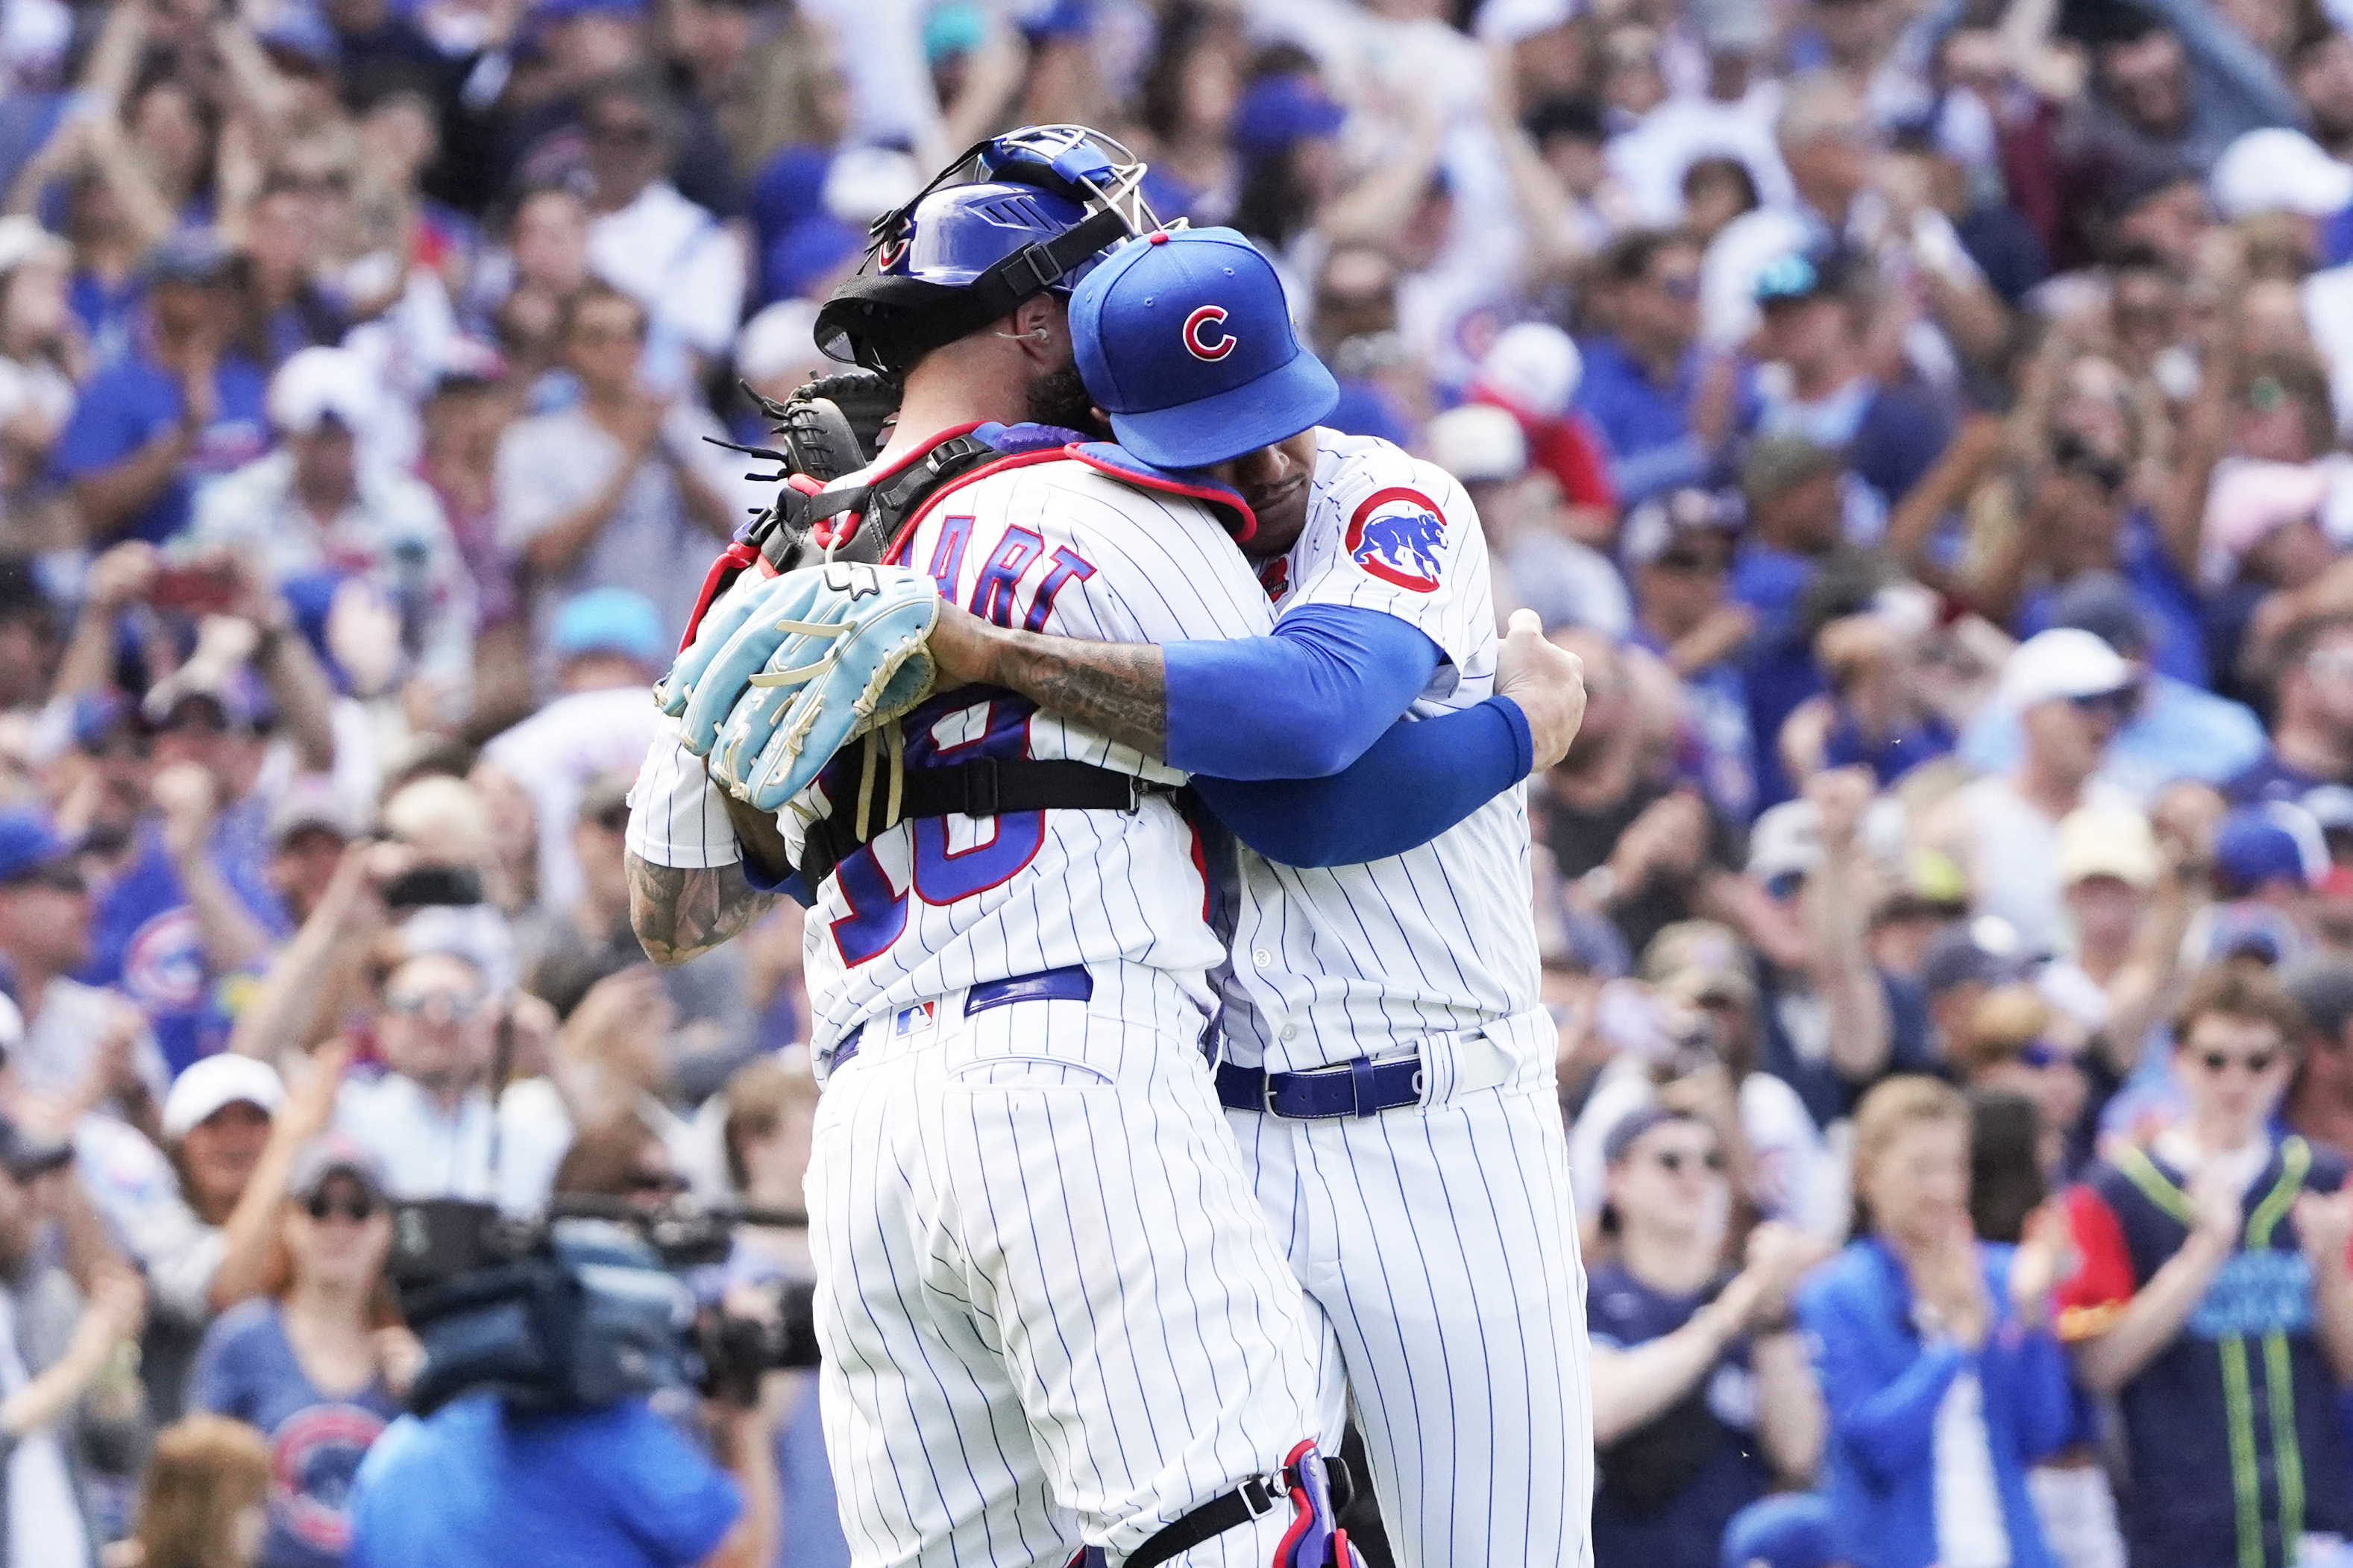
pixel 1791 1531
pixel 1278 110
pixel 1184 340
pixel 610 620
pixel 29 843
pixel 2255 845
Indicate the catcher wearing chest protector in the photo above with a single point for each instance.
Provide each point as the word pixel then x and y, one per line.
pixel 914 818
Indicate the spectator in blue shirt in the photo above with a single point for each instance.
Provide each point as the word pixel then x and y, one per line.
pixel 1791 486
pixel 1815 317
pixel 2175 731
pixel 2312 714
pixel 193 905
pixel 1943 1378
pixel 1678 551
pixel 614 1487
pixel 1701 1391
pixel 180 405
pixel 1662 403
pixel 318 1362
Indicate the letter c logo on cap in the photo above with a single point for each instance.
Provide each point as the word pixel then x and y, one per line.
pixel 1202 347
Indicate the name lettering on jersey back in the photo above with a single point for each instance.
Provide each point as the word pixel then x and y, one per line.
pixel 947 556
pixel 996 593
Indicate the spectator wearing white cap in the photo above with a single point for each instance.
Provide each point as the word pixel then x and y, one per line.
pixel 2176 730
pixel 321 504
pixel 41 354
pixel 1538 565
pixel 2071 692
pixel 2278 170
pixel 174 1209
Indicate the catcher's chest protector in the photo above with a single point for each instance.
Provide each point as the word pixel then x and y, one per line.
pixel 855 518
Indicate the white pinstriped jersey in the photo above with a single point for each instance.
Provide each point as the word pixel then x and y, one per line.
pixel 1330 963
pixel 942 903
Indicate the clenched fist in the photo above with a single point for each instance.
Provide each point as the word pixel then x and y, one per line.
pixel 1547 682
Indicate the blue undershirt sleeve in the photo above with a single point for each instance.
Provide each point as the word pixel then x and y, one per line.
pixel 1413 783
pixel 792 884
pixel 1300 704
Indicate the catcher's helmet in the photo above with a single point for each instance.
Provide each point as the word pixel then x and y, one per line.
pixel 1034 209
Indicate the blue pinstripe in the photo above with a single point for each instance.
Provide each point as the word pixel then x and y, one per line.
pixel 1479 1438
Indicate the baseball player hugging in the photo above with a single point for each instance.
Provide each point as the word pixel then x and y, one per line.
pixel 1059 1287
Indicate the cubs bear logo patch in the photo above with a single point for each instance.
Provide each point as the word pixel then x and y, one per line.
pixel 1396 535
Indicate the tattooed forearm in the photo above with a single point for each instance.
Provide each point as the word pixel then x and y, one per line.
pixel 1119 690
pixel 679 912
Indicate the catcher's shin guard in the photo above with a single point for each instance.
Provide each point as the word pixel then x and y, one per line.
pixel 1315 1540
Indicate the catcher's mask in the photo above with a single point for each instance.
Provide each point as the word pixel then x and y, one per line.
pixel 1011 218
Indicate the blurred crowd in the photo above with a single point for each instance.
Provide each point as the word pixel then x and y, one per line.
pixel 1926 418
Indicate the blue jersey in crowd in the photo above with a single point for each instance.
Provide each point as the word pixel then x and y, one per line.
pixel 246 1369
pixel 144 942
pixel 135 400
pixel 2237 1448
pixel 2177 643
pixel 612 1487
pixel 1668 1488
pixel 1780 671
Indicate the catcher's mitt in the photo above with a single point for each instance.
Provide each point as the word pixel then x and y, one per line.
pixel 832 425
pixel 784 672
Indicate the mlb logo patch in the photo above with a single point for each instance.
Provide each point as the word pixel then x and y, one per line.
pixel 1396 535
pixel 915 1020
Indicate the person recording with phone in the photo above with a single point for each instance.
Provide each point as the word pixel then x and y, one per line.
pixel 431 996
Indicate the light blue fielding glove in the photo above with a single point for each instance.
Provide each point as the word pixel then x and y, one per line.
pixel 817 664
pixel 737 637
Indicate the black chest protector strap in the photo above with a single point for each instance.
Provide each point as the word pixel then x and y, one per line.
pixel 788 536
pixel 986 786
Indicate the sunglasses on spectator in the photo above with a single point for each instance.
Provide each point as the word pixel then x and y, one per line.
pixel 668 1182
pixel 2257 1063
pixel 1674 1161
pixel 59 877
pixel 313 182
pixel 627 133
pixel 2041 1054
pixel 454 1003
pixel 1693 562
pixel 590 336
pixel 2117 705
pixel 357 1207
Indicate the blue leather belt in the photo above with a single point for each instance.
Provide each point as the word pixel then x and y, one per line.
pixel 1074 983
pixel 1359 1088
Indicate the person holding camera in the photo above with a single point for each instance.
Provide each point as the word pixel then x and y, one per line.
pixel 487 1479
